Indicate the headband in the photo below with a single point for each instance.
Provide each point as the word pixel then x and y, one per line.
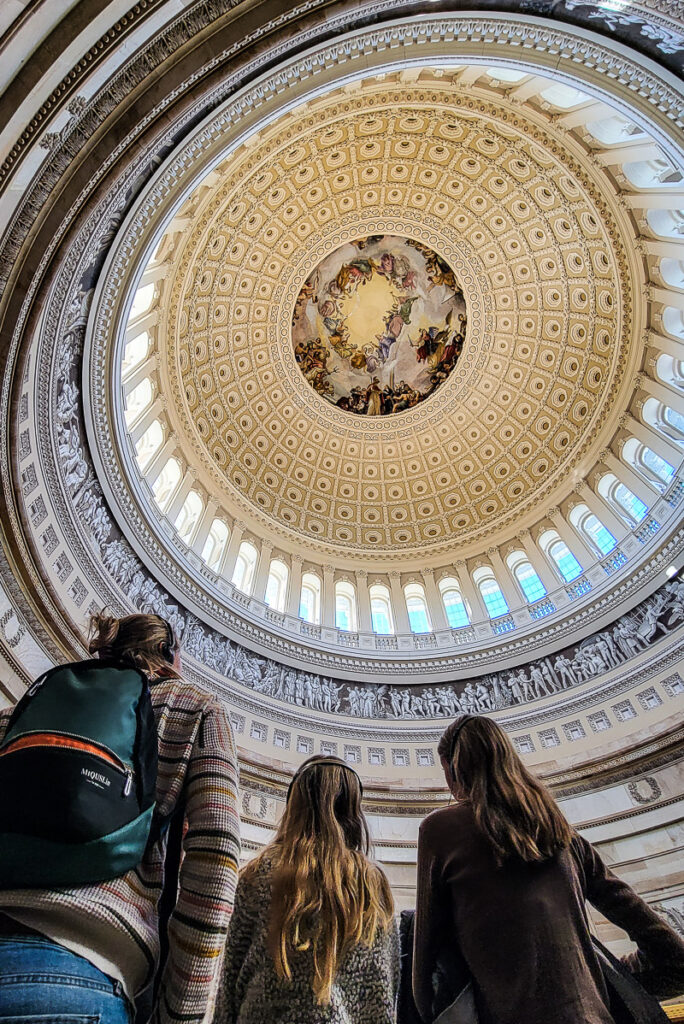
pixel 324 761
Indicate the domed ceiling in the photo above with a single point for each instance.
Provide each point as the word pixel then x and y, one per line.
pixel 481 207
pixel 391 330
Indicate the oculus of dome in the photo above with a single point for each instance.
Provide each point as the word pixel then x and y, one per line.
pixel 379 325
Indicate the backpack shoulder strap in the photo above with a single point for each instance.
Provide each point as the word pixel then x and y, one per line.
pixel 169 894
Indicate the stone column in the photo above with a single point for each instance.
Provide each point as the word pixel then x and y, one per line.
pixel 204 526
pixel 435 604
pixel 401 619
pixel 294 586
pixel 538 562
pixel 664 393
pixel 159 460
pixel 602 510
pixel 229 558
pixel 143 323
pixel 514 598
pixel 584 555
pixel 262 571
pixel 328 596
pixel 365 621
pixel 145 419
pixel 663 447
pixel 187 482
pixel 138 374
pixel 644 490
pixel 471 593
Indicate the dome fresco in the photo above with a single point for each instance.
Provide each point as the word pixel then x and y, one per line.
pixel 379 325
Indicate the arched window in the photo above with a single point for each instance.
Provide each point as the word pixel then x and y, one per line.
pixel 138 399
pixel 345 606
pixel 609 130
pixel 587 523
pixel 624 501
pixel 454 605
pixel 215 544
pixel 189 516
pixel 666 223
pixel 495 602
pixel 675 421
pixel 148 443
pixel 672 272
pixel 381 609
pixel 670 371
pixel 310 598
pixel 652 173
pixel 531 586
pixel 665 420
pixel 416 606
pixel 166 482
pixel 508 75
pixel 135 352
pixel 142 301
pixel 563 96
pixel 650 465
pixel 561 556
pixel 245 564
pixel 276 587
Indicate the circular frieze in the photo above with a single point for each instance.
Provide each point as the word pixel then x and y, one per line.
pixel 379 325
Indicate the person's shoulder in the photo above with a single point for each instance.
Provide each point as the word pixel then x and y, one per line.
pixel 446 821
pixel 185 697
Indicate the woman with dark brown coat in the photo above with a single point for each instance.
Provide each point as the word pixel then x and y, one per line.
pixel 502 884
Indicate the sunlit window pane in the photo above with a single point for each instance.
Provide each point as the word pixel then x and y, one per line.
pixel 597 532
pixel 629 501
pixel 530 584
pixel 455 609
pixel 493 598
pixel 568 566
pixel 380 616
pixel 662 469
pixel 417 613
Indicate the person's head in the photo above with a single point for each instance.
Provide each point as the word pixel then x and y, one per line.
pixel 327 896
pixel 513 809
pixel 146 642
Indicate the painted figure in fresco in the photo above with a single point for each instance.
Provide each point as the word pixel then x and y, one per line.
pixel 329 336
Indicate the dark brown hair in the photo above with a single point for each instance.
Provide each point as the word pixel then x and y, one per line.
pixel 514 810
pixel 327 895
pixel 146 642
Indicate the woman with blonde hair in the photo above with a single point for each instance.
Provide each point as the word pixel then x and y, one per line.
pixel 312 938
pixel 502 884
pixel 80 939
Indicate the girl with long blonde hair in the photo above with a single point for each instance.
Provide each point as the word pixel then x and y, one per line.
pixel 502 884
pixel 312 937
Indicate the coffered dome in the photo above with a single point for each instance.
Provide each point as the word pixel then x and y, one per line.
pixel 232 309
pixel 540 252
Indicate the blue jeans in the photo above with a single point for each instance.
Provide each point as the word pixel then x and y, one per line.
pixel 41 982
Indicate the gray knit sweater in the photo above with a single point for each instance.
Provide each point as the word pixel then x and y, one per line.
pixel 364 991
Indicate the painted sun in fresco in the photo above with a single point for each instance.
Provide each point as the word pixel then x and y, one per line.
pixel 379 325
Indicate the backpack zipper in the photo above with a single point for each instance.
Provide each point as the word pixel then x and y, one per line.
pixel 73 742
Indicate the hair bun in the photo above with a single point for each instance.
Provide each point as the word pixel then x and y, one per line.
pixel 103 631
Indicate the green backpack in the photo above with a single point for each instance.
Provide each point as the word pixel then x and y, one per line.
pixel 78 773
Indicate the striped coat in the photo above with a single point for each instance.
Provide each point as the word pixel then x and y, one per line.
pixel 114 924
